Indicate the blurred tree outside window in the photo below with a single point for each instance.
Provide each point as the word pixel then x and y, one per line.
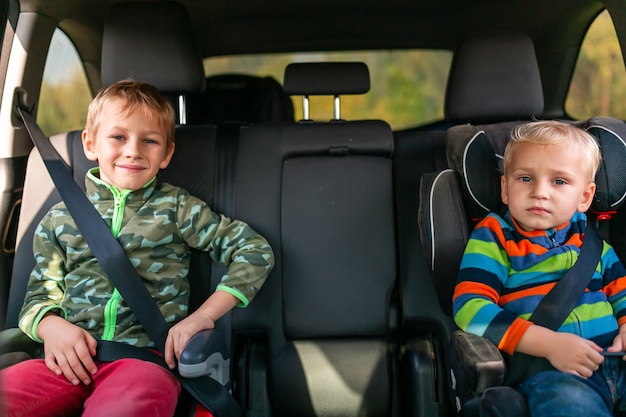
pixel 598 86
pixel 65 93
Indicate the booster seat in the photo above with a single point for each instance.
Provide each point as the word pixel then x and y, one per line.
pixel 453 200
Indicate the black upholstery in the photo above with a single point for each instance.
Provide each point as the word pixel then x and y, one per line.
pixel 326 78
pixel 162 33
pixel 493 78
pixel 241 99
pixel 322 195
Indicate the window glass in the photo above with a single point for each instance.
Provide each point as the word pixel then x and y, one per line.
pixel 598 85
pixel 407 87
pixel 65 92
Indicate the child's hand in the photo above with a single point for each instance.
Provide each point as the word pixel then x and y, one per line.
pixel 68 349
pixel 179 335
pixel 619 343
pixel 573 354
pixel 218 304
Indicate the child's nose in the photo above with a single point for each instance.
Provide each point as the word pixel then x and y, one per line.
pixel 540 189
pixel 132 148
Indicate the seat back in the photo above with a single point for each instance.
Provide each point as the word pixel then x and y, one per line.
pixel 321 193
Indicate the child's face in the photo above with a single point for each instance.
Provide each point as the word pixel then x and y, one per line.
pixel 545 185
pixel 129 147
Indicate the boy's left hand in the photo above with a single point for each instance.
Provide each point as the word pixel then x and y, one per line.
pixel 179 335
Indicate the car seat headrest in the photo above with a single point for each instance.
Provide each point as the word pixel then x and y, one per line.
pixel 244 98
pixel 611 175
pixel 152 42
pixel 475 153
pixel 326 78
pixel 494 78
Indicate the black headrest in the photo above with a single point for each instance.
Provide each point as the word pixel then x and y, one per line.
pixel 326 78
pixel 494 78
pixel 244 98
pixel 475 152
pixel 151 42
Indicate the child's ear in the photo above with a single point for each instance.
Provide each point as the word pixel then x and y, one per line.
pixel 587 197
pixel 168 156
pixel 504 195
pixel 89 146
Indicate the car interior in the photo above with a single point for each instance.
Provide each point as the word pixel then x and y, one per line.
pixel 367 219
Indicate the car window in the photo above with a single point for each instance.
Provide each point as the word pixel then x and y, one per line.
pixel 65 92
pixel 407 87
pixel 598 86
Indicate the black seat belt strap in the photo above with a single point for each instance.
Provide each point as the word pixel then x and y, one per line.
pixel 561 300
pixel 111 256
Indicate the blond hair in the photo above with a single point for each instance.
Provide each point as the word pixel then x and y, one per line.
pixel 136 96
pixel 552 132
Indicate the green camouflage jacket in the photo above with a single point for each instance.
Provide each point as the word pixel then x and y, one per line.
pixel 156 226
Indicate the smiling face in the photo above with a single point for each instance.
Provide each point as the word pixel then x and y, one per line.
pixel 130 146
pixel 544 185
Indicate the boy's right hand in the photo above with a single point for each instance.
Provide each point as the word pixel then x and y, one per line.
pixel 68 349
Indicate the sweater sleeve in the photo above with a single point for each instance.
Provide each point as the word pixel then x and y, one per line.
pixel 46 285
pixel 231 243
pixel 484 270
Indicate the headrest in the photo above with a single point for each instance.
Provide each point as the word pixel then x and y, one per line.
pixel 611 176
pixel 326 78
pixel 475 152
pixel 151 42
pixel 494 78
pixel 244 98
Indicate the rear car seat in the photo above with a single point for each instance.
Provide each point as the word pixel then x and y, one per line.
pixel 318 339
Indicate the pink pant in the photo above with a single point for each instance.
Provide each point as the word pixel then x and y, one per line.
pixel 126 387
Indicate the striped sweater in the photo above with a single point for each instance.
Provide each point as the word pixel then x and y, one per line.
pixel 505 272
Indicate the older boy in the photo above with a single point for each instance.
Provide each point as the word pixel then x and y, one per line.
pixel 511 262
pixel 70 302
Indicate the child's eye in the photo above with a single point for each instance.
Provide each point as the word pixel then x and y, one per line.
pixel 118 137
pixel 560 181
pixel 150 141
pixel 525 178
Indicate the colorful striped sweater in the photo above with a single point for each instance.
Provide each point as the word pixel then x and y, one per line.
pixel 505 272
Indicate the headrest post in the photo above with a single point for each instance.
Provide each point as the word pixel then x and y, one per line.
pixel 305 108
pixel 182 109
pixel 336 108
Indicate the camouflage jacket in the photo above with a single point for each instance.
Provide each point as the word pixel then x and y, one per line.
pixel 156 226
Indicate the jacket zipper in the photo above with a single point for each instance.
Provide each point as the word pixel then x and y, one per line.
pixel 110 310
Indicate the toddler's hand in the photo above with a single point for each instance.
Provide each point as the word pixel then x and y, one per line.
pixel 574 354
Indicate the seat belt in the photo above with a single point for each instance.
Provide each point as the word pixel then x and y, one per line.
pixel 121 272
pixel 554 308
pixel 561 300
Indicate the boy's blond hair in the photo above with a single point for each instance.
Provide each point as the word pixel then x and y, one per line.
pixel 552 132
pixel 136 96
